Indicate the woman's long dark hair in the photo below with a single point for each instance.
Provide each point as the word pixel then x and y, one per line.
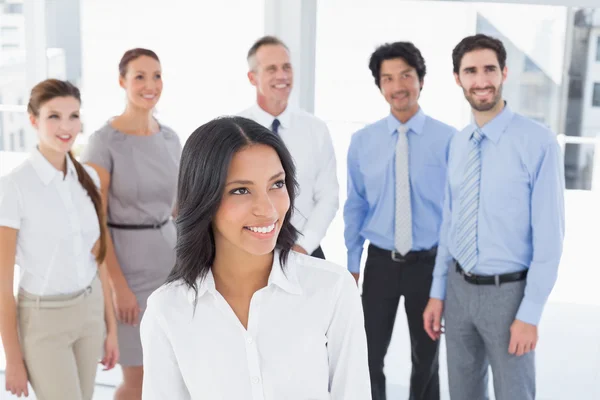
pixel 203 170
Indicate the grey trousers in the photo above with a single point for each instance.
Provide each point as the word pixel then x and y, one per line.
pixel 477 322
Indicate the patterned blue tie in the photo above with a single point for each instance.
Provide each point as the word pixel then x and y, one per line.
pixel 469 206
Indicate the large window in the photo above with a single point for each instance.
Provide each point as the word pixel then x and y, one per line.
pixel 549 77
pixel 346 94
pixel 202 47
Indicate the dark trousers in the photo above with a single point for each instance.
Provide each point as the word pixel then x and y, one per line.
pixel 385 280
pixel 318 253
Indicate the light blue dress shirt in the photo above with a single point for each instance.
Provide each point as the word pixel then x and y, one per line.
pixel 521 219
pixel 370 207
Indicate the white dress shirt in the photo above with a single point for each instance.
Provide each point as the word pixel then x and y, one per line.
pixel 57 223
pixel 305 339
pixel 308 140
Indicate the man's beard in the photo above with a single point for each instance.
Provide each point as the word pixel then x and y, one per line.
pixel 482 107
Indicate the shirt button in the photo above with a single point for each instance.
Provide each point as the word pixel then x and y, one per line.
pixel 249 340
pixel 255 379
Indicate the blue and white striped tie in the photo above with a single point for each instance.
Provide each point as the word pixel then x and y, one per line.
pixel 466 232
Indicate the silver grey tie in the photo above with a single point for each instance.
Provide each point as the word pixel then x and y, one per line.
pixel 403 222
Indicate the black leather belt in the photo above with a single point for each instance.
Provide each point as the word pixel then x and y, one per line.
pixel 491 279
pixel 411 256
pixel 135 227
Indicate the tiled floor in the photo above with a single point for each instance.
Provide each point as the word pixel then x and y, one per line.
pixel 568 356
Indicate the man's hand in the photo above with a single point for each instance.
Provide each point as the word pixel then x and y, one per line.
pixel 523 338
pixel 299 249
pixel 432 318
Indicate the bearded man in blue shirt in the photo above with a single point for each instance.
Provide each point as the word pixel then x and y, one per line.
pixel 501 238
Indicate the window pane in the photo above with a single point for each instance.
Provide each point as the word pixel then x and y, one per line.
pixel 596 95
pixel 580 174
pixel 63 39
pixel 13 86
pixel 13 132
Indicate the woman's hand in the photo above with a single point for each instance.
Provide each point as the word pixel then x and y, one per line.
pixel 16 378
pixel 111 351
pixel 126 306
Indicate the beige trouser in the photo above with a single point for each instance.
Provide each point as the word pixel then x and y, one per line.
pixel 62 338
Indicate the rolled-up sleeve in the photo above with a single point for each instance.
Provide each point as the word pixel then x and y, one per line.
pixel 10 204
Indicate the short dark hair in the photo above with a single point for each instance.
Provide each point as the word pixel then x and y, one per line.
pixel 134 54
pixel 204 165
pixel 478 42
pixel 388 51
pixel 264 41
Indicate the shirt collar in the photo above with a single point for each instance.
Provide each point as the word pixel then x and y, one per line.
pixel 494 128
pixel 415 123
pixel 288 281
pixel 46 171
pixel 205 285
pixel 266 119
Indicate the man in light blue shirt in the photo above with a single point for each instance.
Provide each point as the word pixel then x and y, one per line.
pixel 501 238
pixel 396 180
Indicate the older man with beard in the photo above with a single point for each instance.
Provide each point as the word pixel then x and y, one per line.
pixel 501 238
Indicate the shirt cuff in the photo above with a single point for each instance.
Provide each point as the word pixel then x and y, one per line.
pixel 354 261
pixel 10 223
pixel 438 288
pixel 530 312
pixel 309 241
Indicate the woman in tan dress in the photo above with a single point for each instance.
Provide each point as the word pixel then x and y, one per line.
pixel 137 159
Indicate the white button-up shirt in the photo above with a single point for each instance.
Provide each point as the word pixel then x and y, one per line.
pixel 57 223
pixel 308 140
pixel 305 339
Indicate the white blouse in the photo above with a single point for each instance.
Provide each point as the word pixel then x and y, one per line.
pixel 57 223
pixel 305 339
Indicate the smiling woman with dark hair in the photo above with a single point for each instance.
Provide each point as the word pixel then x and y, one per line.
pixel 242 315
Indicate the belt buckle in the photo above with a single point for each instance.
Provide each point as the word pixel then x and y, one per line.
pixel 156 226
pixel 397 257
